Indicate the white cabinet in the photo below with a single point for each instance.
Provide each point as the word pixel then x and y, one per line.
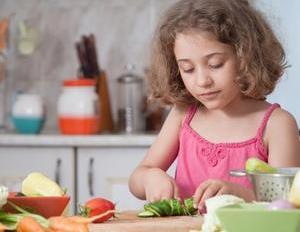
pixel 104 172
pixel 55 162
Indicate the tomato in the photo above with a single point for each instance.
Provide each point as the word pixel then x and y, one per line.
pixel 97 206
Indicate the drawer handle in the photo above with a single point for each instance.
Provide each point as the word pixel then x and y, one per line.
pixel 91 177
pixel 57 171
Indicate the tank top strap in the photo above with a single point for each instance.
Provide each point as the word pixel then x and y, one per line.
pixel 190 114
pixel 265 120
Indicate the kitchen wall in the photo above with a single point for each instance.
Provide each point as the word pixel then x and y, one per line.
pixel 285 18
pixel 123 29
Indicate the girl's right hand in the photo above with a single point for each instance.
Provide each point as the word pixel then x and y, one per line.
pixel 159 185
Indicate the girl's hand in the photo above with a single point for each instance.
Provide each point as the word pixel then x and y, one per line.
pixel 159 185
pixel 213 187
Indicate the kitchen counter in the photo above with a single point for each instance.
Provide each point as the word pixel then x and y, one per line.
pixel 129 222
pixel 103 140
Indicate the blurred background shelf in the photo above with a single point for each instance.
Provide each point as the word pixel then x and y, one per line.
pixel 115 140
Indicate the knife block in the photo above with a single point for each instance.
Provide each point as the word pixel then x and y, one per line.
pixel 106 121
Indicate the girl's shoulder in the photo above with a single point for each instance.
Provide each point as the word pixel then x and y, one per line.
pixel 282 123
pixel 180 113
pixel 275 116
pixel 281 118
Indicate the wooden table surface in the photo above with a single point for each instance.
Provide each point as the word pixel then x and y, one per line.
pixel 129 222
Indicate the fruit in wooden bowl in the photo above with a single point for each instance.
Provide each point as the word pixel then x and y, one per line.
pixel 39 195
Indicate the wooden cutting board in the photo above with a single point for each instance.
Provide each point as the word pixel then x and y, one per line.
pixel 129 222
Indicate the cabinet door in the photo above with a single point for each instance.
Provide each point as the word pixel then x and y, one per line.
pixel 56 163
pixel 104 172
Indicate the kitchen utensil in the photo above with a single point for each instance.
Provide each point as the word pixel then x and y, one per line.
pixel 78 107
pixel 129 222
pixel 28 39
pixel 3 34
pixel 28 113
pixel 131 102
pixel 270 186
pixel 89 68
pixel 106 124
pixel 45 206
pixel 250 217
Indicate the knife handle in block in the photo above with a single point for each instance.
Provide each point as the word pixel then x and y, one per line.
pixel 106 121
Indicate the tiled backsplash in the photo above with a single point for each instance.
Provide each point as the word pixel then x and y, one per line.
pixel 123 30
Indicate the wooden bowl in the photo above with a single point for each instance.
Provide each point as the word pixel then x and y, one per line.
pixel 45 206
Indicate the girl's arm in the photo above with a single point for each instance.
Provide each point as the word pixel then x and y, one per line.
pixel 282 140
pixel 159 157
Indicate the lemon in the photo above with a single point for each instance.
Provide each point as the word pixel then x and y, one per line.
pixel 294 195
pixel 257 165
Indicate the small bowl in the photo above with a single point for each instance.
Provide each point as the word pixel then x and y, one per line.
pixel 28 125
pixel 250 217
pixel 45 206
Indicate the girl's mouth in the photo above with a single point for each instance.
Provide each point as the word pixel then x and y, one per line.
pixel 210 95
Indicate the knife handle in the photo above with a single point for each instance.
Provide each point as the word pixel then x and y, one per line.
pixel 91 177
pixel 57 171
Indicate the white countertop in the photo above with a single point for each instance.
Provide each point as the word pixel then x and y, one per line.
pixel 137 140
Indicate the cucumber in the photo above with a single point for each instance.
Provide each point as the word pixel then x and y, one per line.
pixel 37 184
pixel 146 214
pixel 171 207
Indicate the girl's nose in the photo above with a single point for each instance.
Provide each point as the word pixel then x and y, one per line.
pixel 203 79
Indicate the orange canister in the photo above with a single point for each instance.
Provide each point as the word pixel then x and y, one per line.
pixel 78 107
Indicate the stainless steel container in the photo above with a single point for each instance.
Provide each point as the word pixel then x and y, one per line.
pixel 130 103
pixel 270 186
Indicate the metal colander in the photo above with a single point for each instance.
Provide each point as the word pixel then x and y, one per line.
pixel 269 187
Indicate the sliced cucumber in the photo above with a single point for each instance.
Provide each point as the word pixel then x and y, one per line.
pixel 146 213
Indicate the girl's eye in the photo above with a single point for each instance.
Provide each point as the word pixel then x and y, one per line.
pixel 216 66
pixel 188 70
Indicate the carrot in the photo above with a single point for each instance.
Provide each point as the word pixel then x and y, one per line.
pixel 2 227
pixel 52 230
pixel 67 225
pixel 3 33
pixel 86 220
pixel 28 224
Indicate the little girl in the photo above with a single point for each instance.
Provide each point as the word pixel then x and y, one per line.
pixel 215 61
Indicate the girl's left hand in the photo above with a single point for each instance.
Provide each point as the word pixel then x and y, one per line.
pixel 214 187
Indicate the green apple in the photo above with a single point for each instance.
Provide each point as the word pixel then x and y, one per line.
pixel 257 165
pixel 294 195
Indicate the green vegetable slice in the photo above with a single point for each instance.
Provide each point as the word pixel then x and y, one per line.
pixel 146 213
pixel 172 207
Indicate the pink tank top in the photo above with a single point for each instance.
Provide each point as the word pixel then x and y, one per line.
pixel 199 159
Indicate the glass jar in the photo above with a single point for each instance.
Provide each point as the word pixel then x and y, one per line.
pixel 78 107
pixel 130 103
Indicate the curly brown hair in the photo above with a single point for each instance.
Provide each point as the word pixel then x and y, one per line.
pixel 233 22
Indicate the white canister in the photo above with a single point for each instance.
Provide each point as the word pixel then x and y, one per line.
pixel 78 107
pixel 28 105
pixel 28 113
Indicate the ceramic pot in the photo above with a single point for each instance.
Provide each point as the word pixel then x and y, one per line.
pixel 28 113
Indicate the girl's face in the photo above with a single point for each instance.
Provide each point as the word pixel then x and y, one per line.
pixel 208 69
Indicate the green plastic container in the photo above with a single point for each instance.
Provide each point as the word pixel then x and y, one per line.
pixel 255 217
